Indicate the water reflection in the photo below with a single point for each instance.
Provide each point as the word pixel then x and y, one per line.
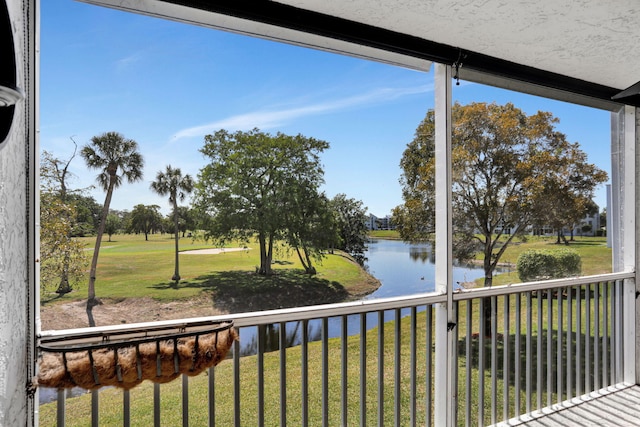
pixel 402 268
pixel 271 336
pixel 408 268
pixel 423 254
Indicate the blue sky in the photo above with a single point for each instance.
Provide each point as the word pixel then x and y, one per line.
pixel 167 84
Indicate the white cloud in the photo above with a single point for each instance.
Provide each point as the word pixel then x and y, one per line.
pixel 274 118
pixel 124 63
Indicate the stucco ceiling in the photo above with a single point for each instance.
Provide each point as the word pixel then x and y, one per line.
pixel 585 47
pixel 593 40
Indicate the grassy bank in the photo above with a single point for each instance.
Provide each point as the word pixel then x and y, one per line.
pixel 131 268
pixel 384 234
pixel 593 251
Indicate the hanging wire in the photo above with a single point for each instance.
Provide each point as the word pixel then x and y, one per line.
pixel 457 65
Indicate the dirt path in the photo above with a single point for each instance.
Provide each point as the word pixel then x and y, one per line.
pixel 73 314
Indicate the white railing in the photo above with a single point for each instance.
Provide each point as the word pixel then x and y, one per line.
pixel 334 364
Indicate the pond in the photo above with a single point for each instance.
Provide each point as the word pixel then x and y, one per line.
pixel 405 269
pixel 402 268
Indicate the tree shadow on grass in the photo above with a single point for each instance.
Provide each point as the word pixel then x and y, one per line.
pixel 242 291
pixel 586 243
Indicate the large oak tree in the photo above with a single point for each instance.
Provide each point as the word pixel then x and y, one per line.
pixel 510 171
pixel 254 184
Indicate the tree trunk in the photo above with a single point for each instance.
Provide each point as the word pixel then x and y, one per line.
pixel 302 261
pixel 265 255
pixel 63 287
pixel 92 301
pixel 311 270
pixel 269 255
pixel 562 239
pixel 487 313
pixel 306 261
pixel 176 274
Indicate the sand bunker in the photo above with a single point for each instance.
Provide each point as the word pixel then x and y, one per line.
pixel 212 251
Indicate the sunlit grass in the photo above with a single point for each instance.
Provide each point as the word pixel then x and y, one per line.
pixel 384 234
pixel 78 409
pixel 593 251
pixel 131 267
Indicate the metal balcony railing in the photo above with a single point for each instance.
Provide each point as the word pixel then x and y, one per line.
pixel 373 362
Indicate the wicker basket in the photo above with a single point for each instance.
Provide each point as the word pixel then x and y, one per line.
pixel 114 360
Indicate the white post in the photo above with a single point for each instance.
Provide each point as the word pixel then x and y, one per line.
pixel 445 398
pixel 623 227
pixel 18 237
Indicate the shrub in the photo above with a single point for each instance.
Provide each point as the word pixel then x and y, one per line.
pixel 542 264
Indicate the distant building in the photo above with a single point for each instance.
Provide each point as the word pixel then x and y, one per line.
pixel 589 226
pixel 375 223
pixel 372 223
pixel 386 223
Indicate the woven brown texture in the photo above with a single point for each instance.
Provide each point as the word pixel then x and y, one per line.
pixel 192 360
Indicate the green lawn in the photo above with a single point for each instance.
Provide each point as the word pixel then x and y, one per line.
pixel 130 267
pixel 384 234
pixel 78 409
pixel 596 257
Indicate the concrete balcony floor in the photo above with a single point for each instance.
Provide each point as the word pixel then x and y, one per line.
pixel 615 406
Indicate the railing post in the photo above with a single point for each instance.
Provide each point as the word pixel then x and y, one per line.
pixel 445 402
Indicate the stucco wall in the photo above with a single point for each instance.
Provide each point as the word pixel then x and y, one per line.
pixel 15 334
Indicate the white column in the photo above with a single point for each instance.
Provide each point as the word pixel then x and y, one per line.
pixel 18 187
pixel 624 232
pixel 445 399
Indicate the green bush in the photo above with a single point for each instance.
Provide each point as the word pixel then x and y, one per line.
pixel 542 264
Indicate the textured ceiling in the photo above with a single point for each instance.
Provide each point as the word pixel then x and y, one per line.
pixel 593 40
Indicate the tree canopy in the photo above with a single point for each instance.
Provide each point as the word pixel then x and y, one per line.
pixel 510 171
pixel 145 219
pixel 351 229
pixel 252 180
pixel 114 223
pixel 62 258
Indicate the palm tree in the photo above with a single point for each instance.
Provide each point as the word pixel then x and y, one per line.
pixel 111 153
pixel 172 182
